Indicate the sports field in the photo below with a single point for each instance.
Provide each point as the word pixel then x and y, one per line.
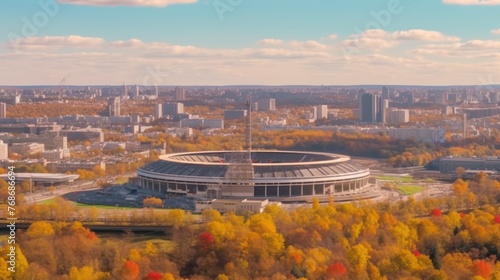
pixel 410 190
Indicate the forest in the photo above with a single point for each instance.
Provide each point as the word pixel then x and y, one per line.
pixel 453 237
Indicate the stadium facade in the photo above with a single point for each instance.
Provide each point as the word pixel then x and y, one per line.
pixel 273 175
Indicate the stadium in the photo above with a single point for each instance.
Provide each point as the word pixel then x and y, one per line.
pixel 286 176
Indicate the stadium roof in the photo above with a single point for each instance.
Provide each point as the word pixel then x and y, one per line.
pixel 266 164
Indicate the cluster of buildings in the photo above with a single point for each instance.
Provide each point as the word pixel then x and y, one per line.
pixel 374 108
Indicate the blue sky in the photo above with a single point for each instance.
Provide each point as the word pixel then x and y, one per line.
pixel 252 42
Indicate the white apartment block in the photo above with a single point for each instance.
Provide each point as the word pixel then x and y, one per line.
pixel 4 150
pixel 436 135
pixel 398 115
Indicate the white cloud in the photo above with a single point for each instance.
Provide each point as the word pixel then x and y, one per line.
pixel 332 36
pixel 377 39
pixel 473 2
pixel 271 61
pixel 469 49
pixel 56 42
pixel 146 3
pixel 270 42
pixel 423 35
pixel 495 31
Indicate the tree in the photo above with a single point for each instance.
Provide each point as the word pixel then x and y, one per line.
pixel 436 212
pixel 152 202
pixel 460 187
pixel 39 229
pixel 336 269
pixel 153 275
pixel 84 273
pixel 21 264
pixel 176 218
pixel 4 271
pixel 206 241
pixel 150 250
pixel 167 276
pixel 358 257
pixel 481 268
pixel 130 270
pixel 222 277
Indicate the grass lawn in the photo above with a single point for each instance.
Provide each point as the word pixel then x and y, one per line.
pixel 404 179
pixel 4 238
pixel 409 190
pixel 47 201
pixel 81 205
pixel 160 242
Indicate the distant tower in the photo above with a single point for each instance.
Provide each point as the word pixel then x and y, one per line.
pixel 384 110
pixel 158 111
pixel 3 110
pixel 266 105
pixel 370 108
pixel 156 92
pixel 385 93
pixel 465 126
pixel 321 112
pixel 114 107
pixel 248 139
pixel 180 94
pixel 124 91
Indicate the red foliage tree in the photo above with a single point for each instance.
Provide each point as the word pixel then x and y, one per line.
pixel 462 215
pixel 481 268
pixel 336 269
pixel 436 212
pixel 153 275
pixel 497 219
pixel 297 258
pixel 91 235
pixel 130 270
pixel 206 240
pixel 416 253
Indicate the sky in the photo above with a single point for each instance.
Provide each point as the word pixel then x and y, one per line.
pixel 249 42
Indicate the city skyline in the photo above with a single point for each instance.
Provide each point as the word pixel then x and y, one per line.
pixel 189 42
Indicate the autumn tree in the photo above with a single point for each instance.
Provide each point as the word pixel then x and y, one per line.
pixel 38 229
pixel 152 202
pixel 130 270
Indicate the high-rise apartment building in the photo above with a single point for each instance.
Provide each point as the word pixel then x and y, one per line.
pixel 4 150
pixel 180 94
pixel 124 93
pixel 385 93
pixel 114 107
pixel 172 109
pixel 266 105
pixel 320 112
pixel 370 108
pixel 158 110
pixel 3 110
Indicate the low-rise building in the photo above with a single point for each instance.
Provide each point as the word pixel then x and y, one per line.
pixel 433 135
pixel 27 148
pixel 179 131
pixel 55 155
pixel 72 166
pixel 236 206
pixel 398 115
